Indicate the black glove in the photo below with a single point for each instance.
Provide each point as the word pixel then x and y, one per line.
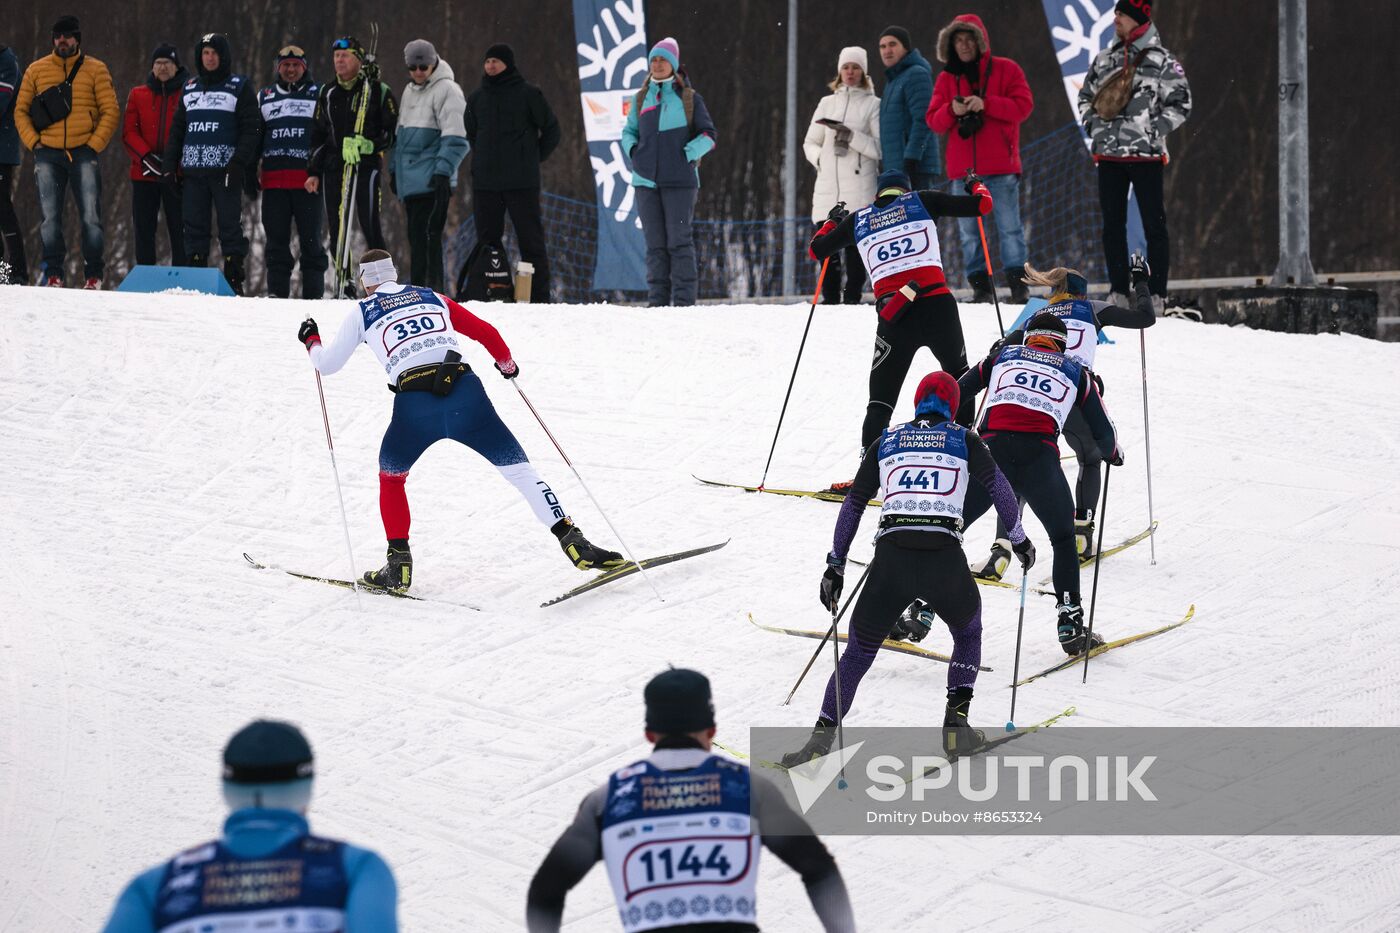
pixel 911 168
pixel 1098 382
pixel 838 213
pixel 1117 458
pixel 1137 265
pixel 233 177
pixel 832 580
pixel 393 185
pixel 309 334
pixel 1025 553
pixel 441 184
pixel 150 165
pixel 971 181
pixel 509 369
pixel 251 184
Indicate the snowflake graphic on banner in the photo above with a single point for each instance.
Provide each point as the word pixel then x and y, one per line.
pixel 602 56
pixel 1079 30
pixel 614 178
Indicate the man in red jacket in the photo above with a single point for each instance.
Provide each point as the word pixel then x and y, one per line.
pixel 979 103
pixel 149 109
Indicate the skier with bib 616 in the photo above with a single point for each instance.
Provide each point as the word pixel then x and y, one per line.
pixel 412 332
pixel 898 241
pixel 1031 391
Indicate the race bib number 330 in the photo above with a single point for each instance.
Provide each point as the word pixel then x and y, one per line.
pixel 399 331
pixel 698 860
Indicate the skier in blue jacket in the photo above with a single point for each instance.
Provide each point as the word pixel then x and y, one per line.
pixel 267 869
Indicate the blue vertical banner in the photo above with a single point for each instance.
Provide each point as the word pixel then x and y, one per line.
pixel 612 63
pixel 1079 31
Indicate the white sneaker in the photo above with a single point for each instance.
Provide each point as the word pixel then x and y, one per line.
pixel 1118 298
pixel 1159 304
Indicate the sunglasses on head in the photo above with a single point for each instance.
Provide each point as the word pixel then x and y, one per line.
pixel 343 44
pixel 291 51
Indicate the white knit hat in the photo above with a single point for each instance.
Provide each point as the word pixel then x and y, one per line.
pixel 856 56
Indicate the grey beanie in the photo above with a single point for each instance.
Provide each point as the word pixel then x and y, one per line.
pixel 420 52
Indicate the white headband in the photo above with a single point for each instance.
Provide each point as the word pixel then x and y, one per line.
pixel 378 272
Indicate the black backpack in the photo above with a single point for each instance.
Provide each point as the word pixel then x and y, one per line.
pixel 486 275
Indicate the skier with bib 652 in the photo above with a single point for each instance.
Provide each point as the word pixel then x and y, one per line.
pixel 412 333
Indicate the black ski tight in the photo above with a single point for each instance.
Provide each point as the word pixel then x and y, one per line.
pixel 1086 450
pixel 1031 463
pixel 929 322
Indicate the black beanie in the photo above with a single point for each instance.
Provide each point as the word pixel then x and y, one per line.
pixel 166 51
pixel 267 752
pixel 902 34
pixel 68 24
pixel 1140 11
pixel 679 702
pixel 502 51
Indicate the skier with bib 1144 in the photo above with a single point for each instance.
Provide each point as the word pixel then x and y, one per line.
pixel 412 332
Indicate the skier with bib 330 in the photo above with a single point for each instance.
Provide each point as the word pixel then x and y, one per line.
pixel 412 333
pixel 925 469
pixel 898 242
pixel 1084 321
pixel 1031 391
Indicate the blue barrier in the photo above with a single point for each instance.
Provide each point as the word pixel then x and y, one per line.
pixel 161 278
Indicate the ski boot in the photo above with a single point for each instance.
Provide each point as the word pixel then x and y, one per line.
pixel 196 260
pixel 982 292
pixel 581 552
pixel 819 744
pixel 959 739
pixel 233 272
pixel 397 572
pixel 1073 637
pixel 996 563
pixel 838 489
pixel 1084 538
pixel 914 623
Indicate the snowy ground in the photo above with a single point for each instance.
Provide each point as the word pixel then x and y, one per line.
pixel 148 441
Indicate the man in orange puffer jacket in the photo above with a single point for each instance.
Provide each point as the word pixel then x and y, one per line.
pixel 65 150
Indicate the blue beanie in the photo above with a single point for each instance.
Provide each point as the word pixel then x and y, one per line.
pixel 892 178
pixel 668 49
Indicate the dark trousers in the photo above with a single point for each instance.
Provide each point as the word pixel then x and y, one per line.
pixel 203 194
pixel 147 198
pixel 280 206
pixel 1031 464
pixel 672 276
pixel 832 292
pixel 11 236
pixel 427 215
pixel 1146 181
pixel 1080 438
pixel 937 573
pixel 366 203
pixel 490 207
pixel 929 322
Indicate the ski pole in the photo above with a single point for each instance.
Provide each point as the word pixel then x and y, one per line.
pixel 813 310
pixel 589 492
pixel 830 633
pixel 1098 562
pixel 344 519
pixel 840 717
pixel 1147 439
pixel 1016 669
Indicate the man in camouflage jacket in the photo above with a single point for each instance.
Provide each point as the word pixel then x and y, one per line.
pixel 1131 148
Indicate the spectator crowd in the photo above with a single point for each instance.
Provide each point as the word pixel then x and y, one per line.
pixel 203 141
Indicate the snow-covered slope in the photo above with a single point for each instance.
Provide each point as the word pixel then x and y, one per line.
pixel 148 441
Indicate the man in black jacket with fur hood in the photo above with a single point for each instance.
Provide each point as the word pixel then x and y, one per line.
pixel 214 140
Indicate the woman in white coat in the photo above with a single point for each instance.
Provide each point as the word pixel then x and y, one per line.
pixel 843 144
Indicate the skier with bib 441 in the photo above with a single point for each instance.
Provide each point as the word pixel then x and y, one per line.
pixel 1031 391
pixel 925 469
pixel 898 242
pixel 412 333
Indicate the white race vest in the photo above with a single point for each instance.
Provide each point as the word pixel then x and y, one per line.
pixel 924 475
pixel 1034 379
pixel 897 238
pixel 406 328
pixel 1081 329
pixel 680 846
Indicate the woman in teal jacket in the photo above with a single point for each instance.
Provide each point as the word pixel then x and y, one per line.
pixel 668 131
